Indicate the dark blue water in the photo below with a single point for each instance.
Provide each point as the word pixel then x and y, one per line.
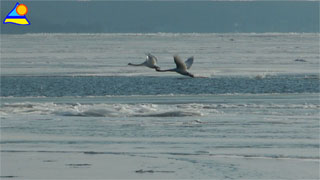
pixel 23 86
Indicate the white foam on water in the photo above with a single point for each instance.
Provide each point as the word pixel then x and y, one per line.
pixel 141 110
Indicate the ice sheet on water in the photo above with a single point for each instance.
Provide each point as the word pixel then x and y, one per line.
pixel 109 54
pixel 261 124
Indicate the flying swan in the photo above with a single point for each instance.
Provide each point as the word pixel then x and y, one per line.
pixel 181 67
pixel 151 62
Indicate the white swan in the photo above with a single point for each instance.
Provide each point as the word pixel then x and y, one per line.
pixel 181 66
pixel 150 62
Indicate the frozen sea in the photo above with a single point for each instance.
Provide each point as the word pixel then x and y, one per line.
pixel 71 107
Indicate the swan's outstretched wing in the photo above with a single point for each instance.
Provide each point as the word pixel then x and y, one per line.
pixel 180 64
pixel 189 62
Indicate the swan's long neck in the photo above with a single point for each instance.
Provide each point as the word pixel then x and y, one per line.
pixel 172 70
pixel 191 75
pixel 142 64
pixel 186 73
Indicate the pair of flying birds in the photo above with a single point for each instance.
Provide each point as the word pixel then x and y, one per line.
pixel 181 67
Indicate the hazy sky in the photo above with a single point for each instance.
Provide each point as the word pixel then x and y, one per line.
pixel 165 16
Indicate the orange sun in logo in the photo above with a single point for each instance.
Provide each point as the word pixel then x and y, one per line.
pixel 22 9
